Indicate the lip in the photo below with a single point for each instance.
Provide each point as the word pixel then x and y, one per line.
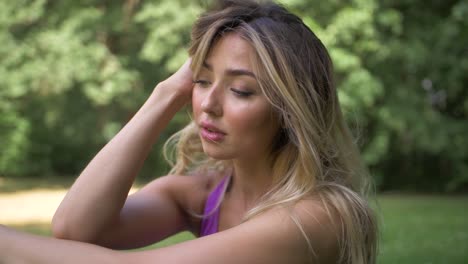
pixel 209 126
pixel 210 132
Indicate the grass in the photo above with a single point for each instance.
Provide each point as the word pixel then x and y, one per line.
pixel 424 229
pixel 19 184
pixel 415 229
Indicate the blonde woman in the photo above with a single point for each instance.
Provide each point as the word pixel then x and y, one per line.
pixel 267 171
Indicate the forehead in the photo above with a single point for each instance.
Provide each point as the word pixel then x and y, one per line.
pixel 231 51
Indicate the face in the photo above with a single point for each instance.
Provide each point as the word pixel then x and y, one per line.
pixel 236 120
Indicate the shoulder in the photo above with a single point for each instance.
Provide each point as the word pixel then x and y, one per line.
pixel 309 225
pixel 279 235
pixel 185 188
pixel 189 192
pixel 320 226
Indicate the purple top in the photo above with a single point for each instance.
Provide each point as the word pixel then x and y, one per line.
pixel 209 223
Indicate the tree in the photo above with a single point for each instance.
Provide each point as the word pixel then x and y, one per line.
pixel 401 72
pixel 72 73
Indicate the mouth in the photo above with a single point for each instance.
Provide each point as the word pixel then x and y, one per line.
pixel 211 128
pixel 210 132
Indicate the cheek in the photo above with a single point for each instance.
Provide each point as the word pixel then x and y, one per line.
pixel 255 120
pixel 196 103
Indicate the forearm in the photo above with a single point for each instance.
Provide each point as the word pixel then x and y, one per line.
pixel 17 247
pixel 97 196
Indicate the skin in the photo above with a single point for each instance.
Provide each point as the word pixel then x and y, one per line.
pixel 97 215
pixel 227 95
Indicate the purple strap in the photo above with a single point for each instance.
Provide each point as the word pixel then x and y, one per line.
pixel 209 223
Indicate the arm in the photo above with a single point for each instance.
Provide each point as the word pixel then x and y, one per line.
pixel 271 237
pixel 157 211
pixel 19 248
pixel 95 201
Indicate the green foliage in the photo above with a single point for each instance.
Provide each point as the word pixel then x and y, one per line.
pixel 168 24
pixel 401 73
pixel 72 73
pixel 14 140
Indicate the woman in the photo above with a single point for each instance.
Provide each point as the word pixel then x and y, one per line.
pixel 266 172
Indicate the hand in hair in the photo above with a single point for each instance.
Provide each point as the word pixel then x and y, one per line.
pixel 180 83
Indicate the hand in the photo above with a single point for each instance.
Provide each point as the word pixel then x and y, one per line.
pixel 180 83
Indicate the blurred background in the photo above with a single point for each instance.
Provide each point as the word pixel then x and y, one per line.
pixel 72 73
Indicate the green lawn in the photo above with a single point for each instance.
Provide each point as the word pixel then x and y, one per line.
pixel 414 229
pixel 424 229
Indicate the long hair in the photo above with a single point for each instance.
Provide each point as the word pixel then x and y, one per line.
pixel 314 151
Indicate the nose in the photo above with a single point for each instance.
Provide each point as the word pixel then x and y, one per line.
pixel 212 102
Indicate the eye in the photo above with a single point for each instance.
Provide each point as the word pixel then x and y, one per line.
pixel 241 93
pixel 202 83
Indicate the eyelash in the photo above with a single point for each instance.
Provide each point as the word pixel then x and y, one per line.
pixel 241 93
pixel 204 83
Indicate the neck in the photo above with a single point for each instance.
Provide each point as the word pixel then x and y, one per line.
pixel 250 180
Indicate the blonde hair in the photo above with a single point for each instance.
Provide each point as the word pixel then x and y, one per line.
pixel 314 152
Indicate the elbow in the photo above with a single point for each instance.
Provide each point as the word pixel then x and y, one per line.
pixel 62 229
pixel 59 228
pixel 65 228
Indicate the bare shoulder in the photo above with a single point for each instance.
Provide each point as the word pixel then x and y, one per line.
pixel 188 188
pixel 189 192
pixel 310 227
pixel 321 227
pixel 277 235
pixel 180 188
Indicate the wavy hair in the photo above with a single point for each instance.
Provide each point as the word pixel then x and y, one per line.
pixel 314 151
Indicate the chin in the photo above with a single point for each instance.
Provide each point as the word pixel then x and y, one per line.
pixel 216 152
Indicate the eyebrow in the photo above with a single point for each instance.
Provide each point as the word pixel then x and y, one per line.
pixel 232 72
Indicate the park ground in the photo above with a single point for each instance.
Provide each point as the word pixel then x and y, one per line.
pixel 414 228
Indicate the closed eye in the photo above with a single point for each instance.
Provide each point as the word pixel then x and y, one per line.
pixel 241 93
